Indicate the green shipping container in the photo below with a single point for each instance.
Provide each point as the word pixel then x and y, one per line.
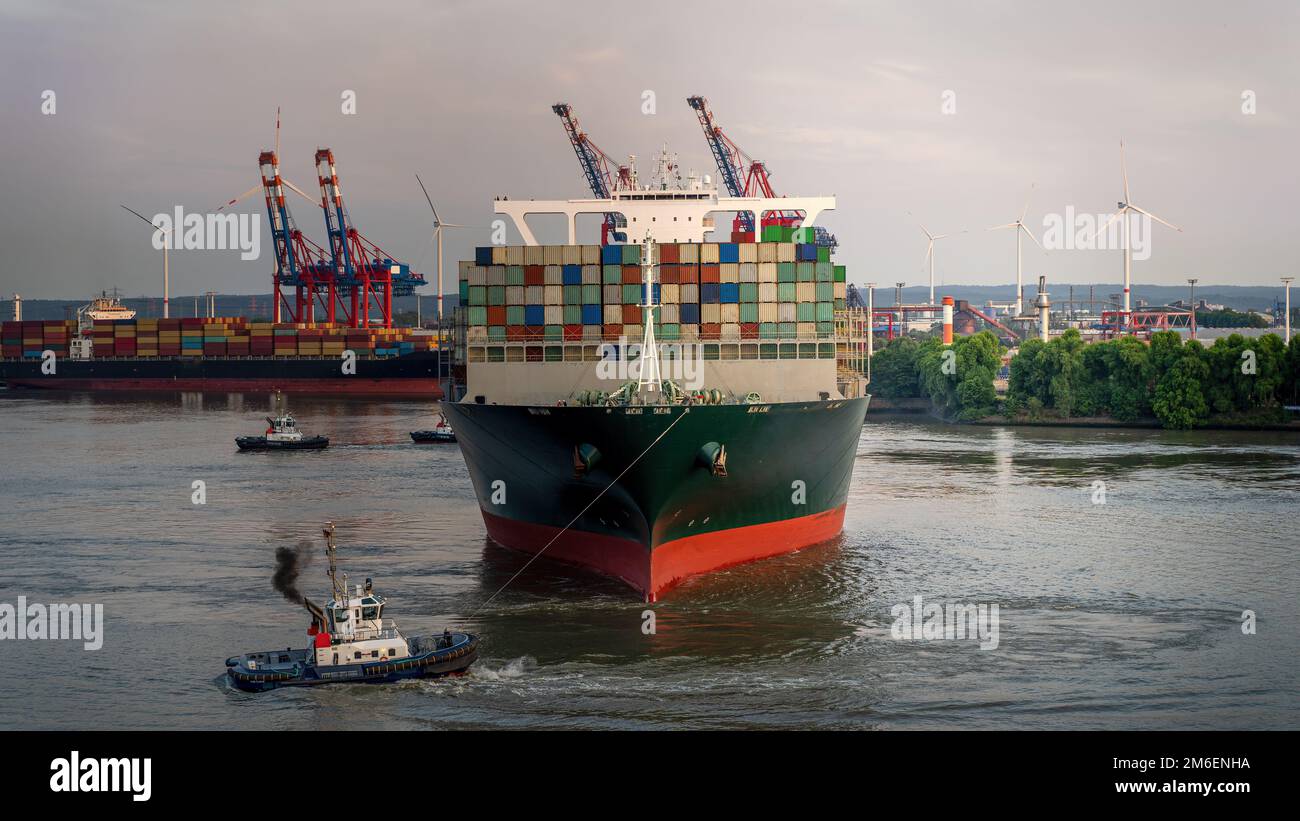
pixel 496 295
pixel 631 254
pixel 749 312
pixel 590 294
pixel 841 274
pixel 671 331
pixel 806 271
pixel 612 274
pixel 515 315
pixel 514 275
pixel 841 304
pixel 786 329
pixel 826 328
pixel 825 292
pixel 477 316
pixel 825 311
pixel 785 272
pixel 631 294
pixel 497 333
pixel 825 272
pixel 555 332
pixel 805 235
pixel 786 292
pixel 749 293
pixel 572 296
pixel 464 292
pixel 768 330
pixel 806 312
pixel 823 253
pixel 771 233
pixel 573 314
pixel 478 295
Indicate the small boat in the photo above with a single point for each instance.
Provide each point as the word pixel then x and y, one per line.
pixel 442 432
pixel 352 643
pixel 282 434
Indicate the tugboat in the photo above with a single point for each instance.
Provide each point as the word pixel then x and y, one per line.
pixel 353 643
pixel 442 432
pixel 282 434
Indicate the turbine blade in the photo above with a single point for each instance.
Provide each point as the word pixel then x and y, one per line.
pixel 295 189
pixel 143 217
pixel 1025 210
pixel 1000 227
pixel 1123 167
pixel 1154 217
pixel 1103 228
pixel 1031 236
pixel 430 199
pixel 242 196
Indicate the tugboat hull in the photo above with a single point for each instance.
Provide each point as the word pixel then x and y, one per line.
pixel 432 436
pixel 260 443
pixel 257 678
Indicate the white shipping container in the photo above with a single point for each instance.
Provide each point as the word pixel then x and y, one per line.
pixel 499 255
pixel 590 254
pixel 476 333
pixel 534 295
pixel 730 312
pixel 787 312
pixel 729 272
pixel 767 271
pixel 633 332
pixel 591 332
pixel 841 290
pixel 669 313
pixel 465 268
pixel 688 252
pixel 553 274
pixel 553 254
pixel 767 252
pixel 710 313
pixel 554 314
pixel 515 295
pixel 613 314
pixel 690 292
pixel 730 330
pixel 590 274
pixel 784 251
pixel 806 292
pixel 767 292
pixel 670 294
pixel 478 275
pixel 571 254
pixel 709 253
pixel 767 312
pixel 496 275
pixel 806 330
pixel 689 333
pixel 514 255
pixel 612 294
pixel 748 253
pixel 748 271
pixel 534 254
pixel 555 296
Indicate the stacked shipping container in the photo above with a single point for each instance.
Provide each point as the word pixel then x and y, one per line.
pixel 776 289
pixel 27 340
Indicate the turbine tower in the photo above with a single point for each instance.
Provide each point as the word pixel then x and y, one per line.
pixel 1019 226
pixel 438 225
pixel 1124 207
pixel 929 250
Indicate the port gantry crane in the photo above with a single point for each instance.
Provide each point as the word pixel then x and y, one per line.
pixel 744 176
pixel 300 264
pixel 596 165
pixel 362 269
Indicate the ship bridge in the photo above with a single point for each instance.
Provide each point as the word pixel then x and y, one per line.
pixel 666 215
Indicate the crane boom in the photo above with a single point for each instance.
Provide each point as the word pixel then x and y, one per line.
pixel 596 167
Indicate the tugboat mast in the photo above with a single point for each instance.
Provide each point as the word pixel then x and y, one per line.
pixel 340 592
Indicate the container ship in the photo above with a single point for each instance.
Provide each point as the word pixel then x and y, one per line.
pixel 107 349
pixel 667 406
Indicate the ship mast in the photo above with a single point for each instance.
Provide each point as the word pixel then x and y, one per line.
pixel 648 372
pixel 340 591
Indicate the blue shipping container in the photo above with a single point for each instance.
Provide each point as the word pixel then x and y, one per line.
pixel 690 313
pixel 711 292
pixel 534 315
pixel 730 292
pixel 656 293
pixel 806 253
pixel 573 275
pixel 728 252
pixel 483 255
pixel 591 315
pixel 611 255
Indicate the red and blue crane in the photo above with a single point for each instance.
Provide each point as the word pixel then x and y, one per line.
pixel 744 176
pixel 300 264
pixel 596 167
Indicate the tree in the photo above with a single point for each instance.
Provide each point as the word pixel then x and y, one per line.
pixel 959 378
pixel 1180 395
pixel 893 369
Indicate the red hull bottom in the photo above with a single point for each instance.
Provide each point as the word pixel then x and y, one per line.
pixel 651 572
pixel 352 386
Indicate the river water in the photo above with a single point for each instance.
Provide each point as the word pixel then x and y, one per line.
pixel 1120 605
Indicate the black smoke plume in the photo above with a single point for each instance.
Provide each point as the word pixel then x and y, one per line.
pixel 289 564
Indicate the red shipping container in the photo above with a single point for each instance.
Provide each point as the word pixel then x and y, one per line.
pixel 514 332
pixel 710 273
pixel 612 332
pixel 710 330
pixel 668 273
pixel 496 315
pixel 749 330
pixel 534 275
pixel 572 333
pixel 631 314
pixel 742 236
pixel 688 274
pixel 668 253
pixel 214 349
pixel 534 331
pixel 631 274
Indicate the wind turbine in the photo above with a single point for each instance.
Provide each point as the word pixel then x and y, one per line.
pixel 1124 207
pixel 929 251
pixel 1019 225
pixel 167 241
pixel 438 225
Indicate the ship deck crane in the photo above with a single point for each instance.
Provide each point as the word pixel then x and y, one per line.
pixel 596 167
pixel 744 176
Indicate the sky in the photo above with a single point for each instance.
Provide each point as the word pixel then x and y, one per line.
pixel 943 113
